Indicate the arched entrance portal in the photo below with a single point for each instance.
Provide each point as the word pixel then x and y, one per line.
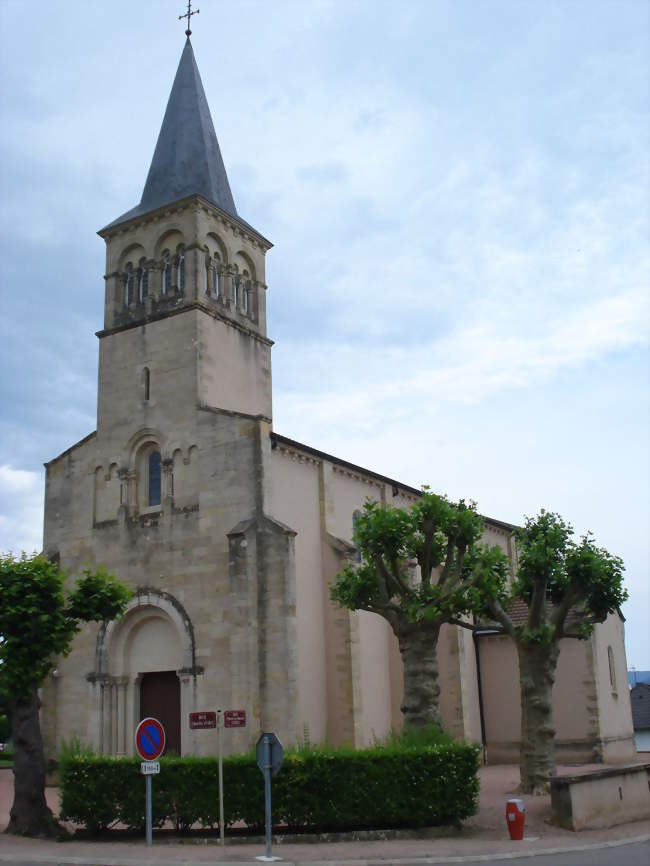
pixel 147 650
pixel 143 663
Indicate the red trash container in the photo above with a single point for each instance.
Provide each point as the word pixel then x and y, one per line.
pixel 515 817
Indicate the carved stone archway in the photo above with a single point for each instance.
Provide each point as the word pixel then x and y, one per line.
pixel 118 669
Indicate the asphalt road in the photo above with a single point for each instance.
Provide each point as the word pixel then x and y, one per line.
pixel 622 855
pixel 635 854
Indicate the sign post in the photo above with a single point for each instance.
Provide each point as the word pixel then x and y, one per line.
pixel 219 720
pixel 149 744
pixel 222 829
pixel 270 754
pixel 226 719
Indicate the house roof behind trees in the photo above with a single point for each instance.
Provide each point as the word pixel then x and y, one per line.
pixel 640 700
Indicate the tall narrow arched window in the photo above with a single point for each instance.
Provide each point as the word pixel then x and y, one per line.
pixel 154 479
pixel 234 292
pixel 612 668
pixel 146 383
pixel 245 284
pixel 206 276
pixel 166 272
pixel 143 281
pixel 180 271
pixel 355 518
pixel 128 284
pixel 215 278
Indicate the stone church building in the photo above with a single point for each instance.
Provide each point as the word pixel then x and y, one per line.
pixel 231 533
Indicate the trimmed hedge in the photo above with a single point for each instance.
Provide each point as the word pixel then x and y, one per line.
pixel 319 791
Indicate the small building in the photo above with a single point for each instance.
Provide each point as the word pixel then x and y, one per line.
pixel 640 700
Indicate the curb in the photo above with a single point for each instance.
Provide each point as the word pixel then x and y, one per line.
pixel 58 860
pixel 471 858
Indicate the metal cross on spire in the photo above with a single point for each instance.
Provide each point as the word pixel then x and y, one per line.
pixel 188 15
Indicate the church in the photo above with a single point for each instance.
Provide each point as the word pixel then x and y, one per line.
pixel 230 533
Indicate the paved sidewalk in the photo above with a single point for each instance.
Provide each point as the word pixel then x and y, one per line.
pixel 484 837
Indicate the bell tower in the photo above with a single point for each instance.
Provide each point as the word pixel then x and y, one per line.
pixel 172 493
pixel 185 303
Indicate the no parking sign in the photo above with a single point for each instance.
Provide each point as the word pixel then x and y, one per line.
pixel 149 744
pixel 150 739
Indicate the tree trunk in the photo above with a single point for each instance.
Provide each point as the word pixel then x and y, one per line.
pixel 418 647
pixel 29 814
pixel 537 664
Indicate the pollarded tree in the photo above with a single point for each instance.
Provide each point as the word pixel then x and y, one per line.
pixel 415 573
pixel 38 621
pixel 567 587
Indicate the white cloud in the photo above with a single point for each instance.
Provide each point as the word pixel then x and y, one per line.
pixel 21 510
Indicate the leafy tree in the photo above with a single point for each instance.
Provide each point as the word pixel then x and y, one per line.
pixel 417 572
pixel 38 621
pixel 568 587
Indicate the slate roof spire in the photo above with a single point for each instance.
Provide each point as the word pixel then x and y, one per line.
pixel 187 160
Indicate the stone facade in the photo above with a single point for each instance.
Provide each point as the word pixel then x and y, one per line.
pixel 231 534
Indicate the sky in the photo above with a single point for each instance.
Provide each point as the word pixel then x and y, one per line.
pixel 458 194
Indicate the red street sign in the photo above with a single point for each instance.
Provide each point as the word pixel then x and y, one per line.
pixel 234 719
pixel 201 721
pixel 150 739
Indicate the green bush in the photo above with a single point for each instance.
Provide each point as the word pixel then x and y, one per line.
pixel 318 789
pixel 5 728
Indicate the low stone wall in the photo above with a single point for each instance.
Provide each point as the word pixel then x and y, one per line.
pixel 604 798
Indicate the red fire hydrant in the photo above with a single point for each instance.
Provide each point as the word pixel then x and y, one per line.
pixel 515 817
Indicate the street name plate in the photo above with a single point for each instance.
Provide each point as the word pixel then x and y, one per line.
pixel 234 719
pixel 201 721
pixel 150 768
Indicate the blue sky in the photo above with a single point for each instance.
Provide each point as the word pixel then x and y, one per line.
pixel 458 196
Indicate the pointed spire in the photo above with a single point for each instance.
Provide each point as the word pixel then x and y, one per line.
pixel 187 159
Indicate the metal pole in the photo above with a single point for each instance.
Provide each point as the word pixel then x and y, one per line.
pixel 148 780
pixel 267 792
pixel 222 832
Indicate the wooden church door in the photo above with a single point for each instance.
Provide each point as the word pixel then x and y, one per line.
pixel 160 697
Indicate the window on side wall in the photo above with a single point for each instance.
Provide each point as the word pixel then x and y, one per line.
pixel 612 668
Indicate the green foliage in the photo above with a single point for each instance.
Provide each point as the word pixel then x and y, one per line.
pixel 33 623
pixel 38 621
pixel 403 783
pixel 441 538
pixel 487 570
pixel 554 568
pixel 74 748
pixel 543 545
pixel 597 578
pixel 97 596
pixel 411 738
pixel 5 728
pixel 7 758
